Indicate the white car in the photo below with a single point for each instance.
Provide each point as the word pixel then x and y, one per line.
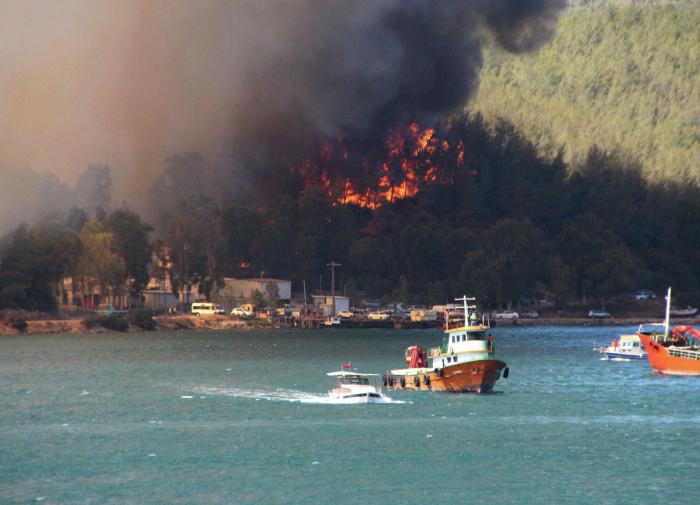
pixel 241 312
pixel 378 316
pixel 598 314
pixel 508 314
pixel 345 314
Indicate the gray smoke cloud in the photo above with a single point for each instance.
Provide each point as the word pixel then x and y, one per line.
pixel 129 82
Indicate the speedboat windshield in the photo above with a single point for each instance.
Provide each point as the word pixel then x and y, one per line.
pixel 354 379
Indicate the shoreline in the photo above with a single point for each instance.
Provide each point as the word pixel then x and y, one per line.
pixel 44 326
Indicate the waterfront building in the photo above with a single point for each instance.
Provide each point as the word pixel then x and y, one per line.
pixel 243 289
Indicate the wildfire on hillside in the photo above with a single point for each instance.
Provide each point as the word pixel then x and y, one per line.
pixel 408 160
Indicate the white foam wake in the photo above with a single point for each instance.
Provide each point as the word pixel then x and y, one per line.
pixel 278 395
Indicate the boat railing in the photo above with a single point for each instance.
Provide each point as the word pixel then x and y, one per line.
pixel 684 353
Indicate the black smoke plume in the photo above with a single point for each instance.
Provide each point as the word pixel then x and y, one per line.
pixel 354 68
pixel 250 84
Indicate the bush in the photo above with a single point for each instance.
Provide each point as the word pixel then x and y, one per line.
pixel 19 324
pixel 16 319
pixel 143 318
pixel 113 322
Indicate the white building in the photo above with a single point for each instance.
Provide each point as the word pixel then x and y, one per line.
pixel 160 299
pixel 159 294
pixel 324 303
pixel 242 289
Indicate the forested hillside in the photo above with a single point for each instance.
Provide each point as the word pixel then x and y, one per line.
pixel 571 180
pixel 616 74
pixel 496 220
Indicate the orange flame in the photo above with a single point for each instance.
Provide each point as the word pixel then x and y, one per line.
pixel 412 159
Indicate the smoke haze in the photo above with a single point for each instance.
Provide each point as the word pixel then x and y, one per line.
pixel 127 83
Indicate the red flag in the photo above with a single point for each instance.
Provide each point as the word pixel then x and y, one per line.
pixel 347 364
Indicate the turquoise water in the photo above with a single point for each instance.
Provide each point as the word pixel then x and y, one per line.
pixel 241 418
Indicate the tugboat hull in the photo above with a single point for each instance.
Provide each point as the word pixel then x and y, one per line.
pixel 670 361
pixel 477 376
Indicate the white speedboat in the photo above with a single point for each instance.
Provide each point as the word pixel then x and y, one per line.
pixel 627 347
pixel 353 387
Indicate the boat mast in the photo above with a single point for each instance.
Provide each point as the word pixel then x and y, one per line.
pixel 466 308
pixel 668 312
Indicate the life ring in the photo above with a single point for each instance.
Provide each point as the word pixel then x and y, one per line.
pixel 403 381
pixel 416 381
pixel 506 371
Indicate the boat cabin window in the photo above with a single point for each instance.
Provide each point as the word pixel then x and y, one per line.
pixel 477 335
pixel 354 380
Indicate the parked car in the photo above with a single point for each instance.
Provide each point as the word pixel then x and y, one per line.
pixel 644 295
pixel 508 314
pixel 241 312
pixel 345 314
pixel 598 314
pixel 533 314
pixel 284 311
pixel 378 315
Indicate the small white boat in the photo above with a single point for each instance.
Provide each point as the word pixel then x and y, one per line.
pixel 353 387
pixel 627 347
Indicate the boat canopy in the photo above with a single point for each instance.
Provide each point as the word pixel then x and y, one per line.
pixel 476 327
pixel 629 338
pixel 351 374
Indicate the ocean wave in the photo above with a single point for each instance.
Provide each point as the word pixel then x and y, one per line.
pixel 278 395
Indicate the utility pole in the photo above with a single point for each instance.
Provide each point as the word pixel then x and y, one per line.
pixel 332 266
pixel 306 312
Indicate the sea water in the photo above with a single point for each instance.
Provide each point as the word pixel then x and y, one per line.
pixel 244 418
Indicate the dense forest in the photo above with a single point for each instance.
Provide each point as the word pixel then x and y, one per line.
pixel 576 180
pixel 616 74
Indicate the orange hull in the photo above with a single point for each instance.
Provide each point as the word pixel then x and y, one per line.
pixel 670 361
pixel 470 377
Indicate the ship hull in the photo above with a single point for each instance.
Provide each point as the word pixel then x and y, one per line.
pixel 478 376
pixel 670 361
pixel 624 356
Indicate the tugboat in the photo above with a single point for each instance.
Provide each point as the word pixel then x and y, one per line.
pixel 675 352
pixel 463 363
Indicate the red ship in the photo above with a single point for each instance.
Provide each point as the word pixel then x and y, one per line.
pixel 675 352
